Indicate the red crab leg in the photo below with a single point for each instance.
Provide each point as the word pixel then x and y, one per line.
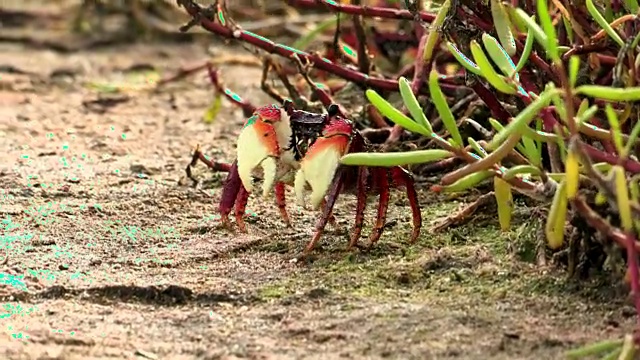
pixel 241 205
pixel 230 192
pixel 332 195
pixel 383 185
pixel 401 177
pixel 332 219
pixel 282 203
pixel 360 207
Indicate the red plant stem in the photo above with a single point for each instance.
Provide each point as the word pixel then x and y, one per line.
pixel 549 120
pixel 316 60
pixel 419 66
pixel 623 239
pixel 395 134
pixel 486 26
pixel 406 71
pixel 607 145
pixel 421 69
pixel 416 84
pixel 527 84
pixel 325 98
pixel 440 165
pixel 377 120
pixel 363 54
pixel 615 6
pixel 599 155
pixel 581 17
pixel 387 13
pixel 583 49
pixel 632 257
pixel 247 108
pixel 492 102
pixel 606 59
pixel 182 73
pixel 606 79
pixel 538 61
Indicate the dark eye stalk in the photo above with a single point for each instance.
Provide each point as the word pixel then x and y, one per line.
pixel 333 110
pixel 287 105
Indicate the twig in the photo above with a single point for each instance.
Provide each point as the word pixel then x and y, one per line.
pixel 213 165
pixel 368 11
pixel 463 215
pixel 363 55
pixel 322 95
pixel 623 239
pixel 316 60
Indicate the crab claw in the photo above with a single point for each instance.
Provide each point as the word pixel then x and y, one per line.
pixel 321 161
pixel 257 146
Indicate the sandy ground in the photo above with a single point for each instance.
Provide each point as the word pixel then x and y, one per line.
pixel 111 254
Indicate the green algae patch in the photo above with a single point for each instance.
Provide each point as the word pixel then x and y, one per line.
pixel 472 260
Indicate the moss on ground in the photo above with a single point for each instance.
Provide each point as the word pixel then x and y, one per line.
pixel 473 263
pixel 469 260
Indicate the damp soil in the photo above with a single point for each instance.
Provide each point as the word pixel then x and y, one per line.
pixel 113 254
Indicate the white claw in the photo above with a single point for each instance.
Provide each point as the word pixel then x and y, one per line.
pixel 269 167
pixel 299 184
pixel 250 154
pixel 245 167
pixel 319 172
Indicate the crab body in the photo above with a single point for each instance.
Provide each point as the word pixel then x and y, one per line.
pixel 303 149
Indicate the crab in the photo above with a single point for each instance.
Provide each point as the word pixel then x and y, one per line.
pixel 289 147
